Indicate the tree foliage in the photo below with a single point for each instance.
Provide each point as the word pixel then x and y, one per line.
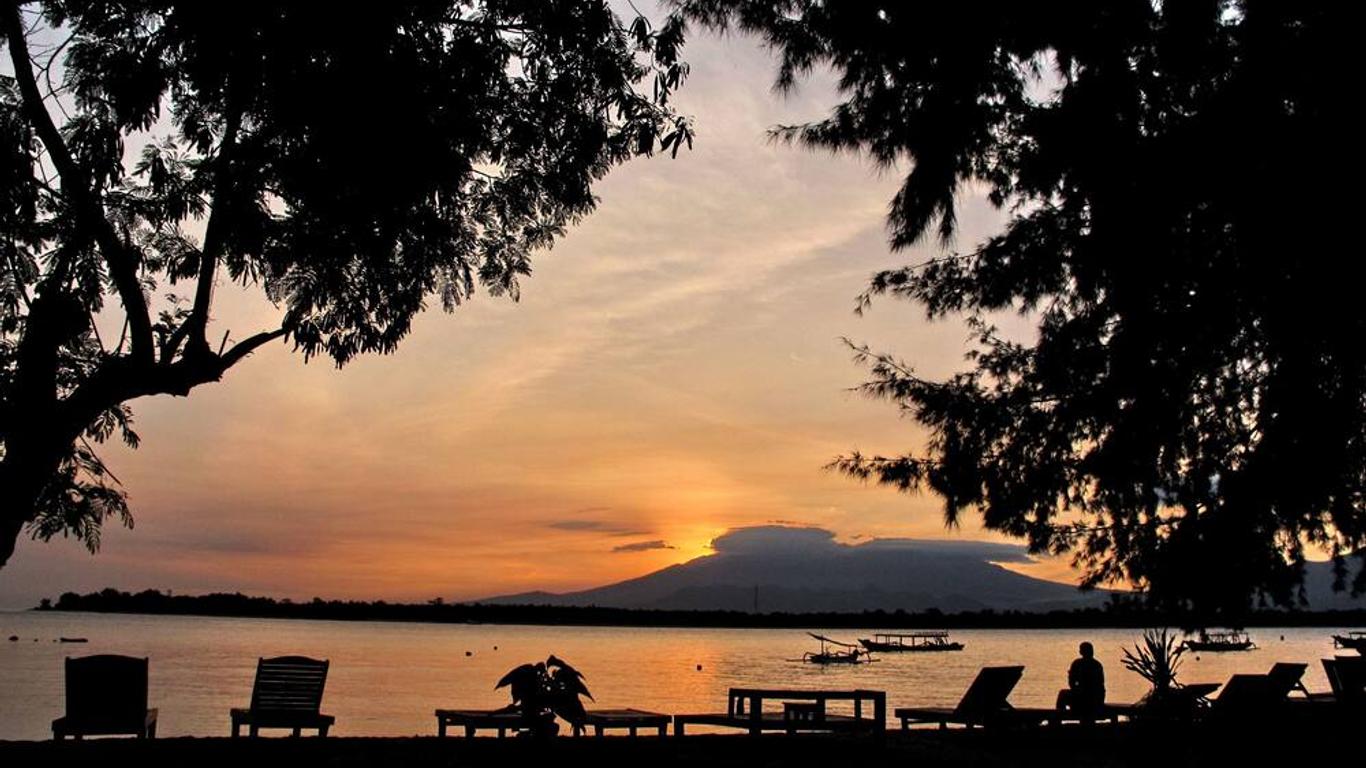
pixel 352 166
pixel 1190 414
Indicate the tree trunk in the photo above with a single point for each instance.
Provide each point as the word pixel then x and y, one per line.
pixel 18 497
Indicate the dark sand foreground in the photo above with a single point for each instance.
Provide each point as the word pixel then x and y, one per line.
pixel 1149 747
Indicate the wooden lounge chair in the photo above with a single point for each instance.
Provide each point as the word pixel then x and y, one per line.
pixel 106 695
pixel 287 693
pixel 1286 678
pixel 983 704
pixel 1246 697
pixel 1347 677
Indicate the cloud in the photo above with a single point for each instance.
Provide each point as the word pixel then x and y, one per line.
pixel 769 539
pixel 812 540
pixel 595 526
pixel 643 546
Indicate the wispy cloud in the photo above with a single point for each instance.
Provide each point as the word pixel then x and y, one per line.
pixel 596 526
pixel 643 546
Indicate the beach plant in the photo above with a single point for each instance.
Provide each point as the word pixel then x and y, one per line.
pixel 1157 658
pixel 545 690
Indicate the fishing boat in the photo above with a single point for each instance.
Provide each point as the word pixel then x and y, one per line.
pixel 1356 640
pixel 919 642
pixel 1224 640
pixel 835 652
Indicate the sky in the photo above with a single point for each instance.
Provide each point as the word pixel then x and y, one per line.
pixel 673 370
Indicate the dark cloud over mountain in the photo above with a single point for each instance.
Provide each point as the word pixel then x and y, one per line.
pixel 806 569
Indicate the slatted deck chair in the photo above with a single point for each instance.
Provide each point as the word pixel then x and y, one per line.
pixel 288 693
pixel 1347 676
pixel 1287 678
pixel 983 704
pixel 106 695
pixel 1246 697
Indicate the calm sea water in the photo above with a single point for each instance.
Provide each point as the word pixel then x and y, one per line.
pixel 386 678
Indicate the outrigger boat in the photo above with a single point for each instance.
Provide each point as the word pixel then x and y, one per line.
pixel 1216 642
pixel 1356 640
pixel 851 654
pixel 920 642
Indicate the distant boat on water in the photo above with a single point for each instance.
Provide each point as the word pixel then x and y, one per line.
pixel 1221 641
pixel 835 652
pixel 917 642
pixel 1356 640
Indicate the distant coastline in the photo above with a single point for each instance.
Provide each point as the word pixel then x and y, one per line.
pixel 1117 614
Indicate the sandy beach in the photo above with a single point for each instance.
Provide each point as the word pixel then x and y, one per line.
pixel 1124 745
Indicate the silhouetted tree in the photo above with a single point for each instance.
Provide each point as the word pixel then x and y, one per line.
pixel 350 165
pixel 1190 414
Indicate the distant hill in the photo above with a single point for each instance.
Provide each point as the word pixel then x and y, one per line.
pixel 806 570
pixel 799 570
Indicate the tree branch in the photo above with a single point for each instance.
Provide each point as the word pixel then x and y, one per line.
pixel 77 187
pixel 249 345
pixel 195 327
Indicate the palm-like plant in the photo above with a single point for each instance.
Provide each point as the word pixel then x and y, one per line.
pixel 543 690
pixel 1156 659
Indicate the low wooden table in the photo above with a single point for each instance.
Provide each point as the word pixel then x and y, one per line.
pixel 629 719
pixel 803 710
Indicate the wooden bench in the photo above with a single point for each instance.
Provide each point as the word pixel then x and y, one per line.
pixel 504 720
pixel 802 711
pixel 287 693
pixel 601 720
pixel 472 720
pixel 106 695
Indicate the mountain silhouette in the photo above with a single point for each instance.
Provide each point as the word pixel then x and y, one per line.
pixel 805 569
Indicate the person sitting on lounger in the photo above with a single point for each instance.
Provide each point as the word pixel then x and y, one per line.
pixel 1085 691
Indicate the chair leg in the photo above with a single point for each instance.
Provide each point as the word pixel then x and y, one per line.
pixel 322 732
pixel 296 732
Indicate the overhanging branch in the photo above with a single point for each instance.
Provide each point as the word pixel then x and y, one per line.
pixel 77 187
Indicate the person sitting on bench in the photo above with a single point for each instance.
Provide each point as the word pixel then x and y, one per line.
pixel 1085 691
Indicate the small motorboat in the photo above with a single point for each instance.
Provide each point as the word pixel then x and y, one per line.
pixel 1356 640
pixel 1221 641
pixel 917 642
pixel 835 652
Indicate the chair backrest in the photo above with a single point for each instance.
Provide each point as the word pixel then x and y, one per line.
pixel 1285 677
pixel 1330 670
pixel 106 690
pixel 1351 677
pixel 1247 692
pixel 289 684
pixel 988 692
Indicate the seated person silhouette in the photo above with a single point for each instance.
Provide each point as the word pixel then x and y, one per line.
pixel 1085 692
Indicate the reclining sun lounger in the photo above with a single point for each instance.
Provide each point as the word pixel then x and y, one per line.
pixel 984 703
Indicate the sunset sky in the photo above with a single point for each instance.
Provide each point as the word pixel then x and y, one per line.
pixel 673 370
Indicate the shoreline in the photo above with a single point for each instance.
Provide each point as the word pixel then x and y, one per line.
pixel 1061 747
pixel 237 605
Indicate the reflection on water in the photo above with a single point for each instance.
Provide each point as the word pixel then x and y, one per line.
pixel 386 678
